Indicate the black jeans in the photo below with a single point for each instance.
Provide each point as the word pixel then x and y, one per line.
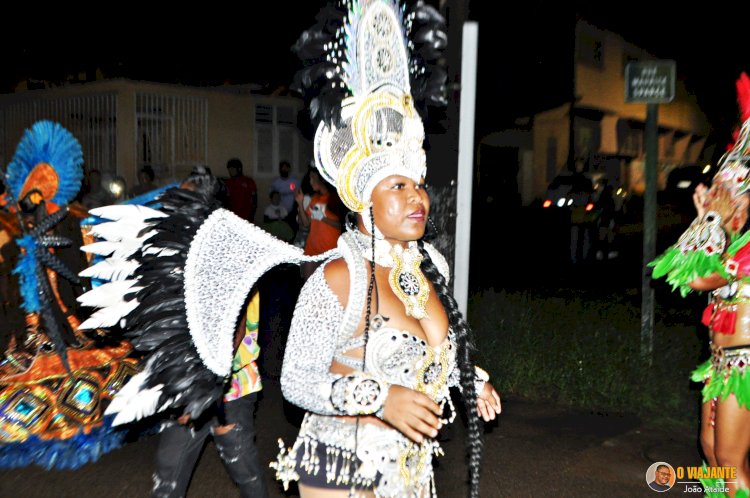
pixel 180 447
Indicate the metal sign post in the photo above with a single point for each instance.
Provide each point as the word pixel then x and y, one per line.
pixel 651 83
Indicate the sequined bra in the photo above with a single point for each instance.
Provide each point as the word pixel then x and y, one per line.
pixel 399 357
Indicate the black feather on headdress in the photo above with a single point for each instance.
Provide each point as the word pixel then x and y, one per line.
pixel 322 50
pixel 318 81
pixel 429 39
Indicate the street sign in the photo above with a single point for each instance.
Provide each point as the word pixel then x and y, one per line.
pixel 650 82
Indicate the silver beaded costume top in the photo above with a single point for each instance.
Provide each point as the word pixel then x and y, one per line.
pixel 361 455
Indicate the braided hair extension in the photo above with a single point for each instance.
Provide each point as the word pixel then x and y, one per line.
pixel 465 348
pixel 368 313
pixel 370 288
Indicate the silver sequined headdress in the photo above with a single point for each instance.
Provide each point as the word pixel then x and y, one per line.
pixel 734 170
pixel 368 82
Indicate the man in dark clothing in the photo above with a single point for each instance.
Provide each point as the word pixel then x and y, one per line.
pixel 243 193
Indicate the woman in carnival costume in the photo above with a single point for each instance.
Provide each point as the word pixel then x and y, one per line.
pixel 376 339
pixel 714 255
pixel 55 380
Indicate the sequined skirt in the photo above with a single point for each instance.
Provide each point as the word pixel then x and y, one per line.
pixel 331 452
pixel 725 373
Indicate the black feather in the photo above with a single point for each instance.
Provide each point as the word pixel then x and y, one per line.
pixel 430 39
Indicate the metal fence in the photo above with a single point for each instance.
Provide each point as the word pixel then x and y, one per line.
pixel 91 119
pixel 172 133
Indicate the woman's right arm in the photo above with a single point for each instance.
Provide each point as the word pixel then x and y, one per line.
pixel 306 380
pixel 708 283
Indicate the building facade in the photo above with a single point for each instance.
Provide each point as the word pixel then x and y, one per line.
pixel 597 126
pixel 123 125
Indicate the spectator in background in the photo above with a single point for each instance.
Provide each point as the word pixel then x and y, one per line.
pixel 145 182
pixel 242 191
pixel 323 219
pixel 275 211
pixel 302 197
pixel 97 195
pixel 287 185
pixel 606 223
pixel 274 219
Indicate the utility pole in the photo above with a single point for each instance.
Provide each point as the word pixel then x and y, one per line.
pixel 652 83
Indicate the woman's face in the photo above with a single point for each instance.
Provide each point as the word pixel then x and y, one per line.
pixel 315 182
pixel 400 207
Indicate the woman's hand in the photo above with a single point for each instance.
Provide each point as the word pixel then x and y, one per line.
pixel 488 403
pixel 299 196
pixel 699 200
pixel 412 413
pixel 722 202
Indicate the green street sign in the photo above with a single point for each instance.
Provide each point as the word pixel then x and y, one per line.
pixel 650 82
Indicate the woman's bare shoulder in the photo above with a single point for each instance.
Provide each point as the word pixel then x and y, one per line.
pixel 336 273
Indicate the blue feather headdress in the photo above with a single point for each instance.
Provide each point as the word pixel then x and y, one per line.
pixel 49 159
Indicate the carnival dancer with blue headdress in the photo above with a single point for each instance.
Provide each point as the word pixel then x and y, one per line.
pixel 55 380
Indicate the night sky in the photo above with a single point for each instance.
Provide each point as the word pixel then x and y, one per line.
pixel 522 47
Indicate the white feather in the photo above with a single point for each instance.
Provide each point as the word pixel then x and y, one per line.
pixel 160 251
pixel 120 211
pixel 133 402
pixel 103 248
pixel 109 316
pixel 108 294
pixel 110 269
pixel 115 231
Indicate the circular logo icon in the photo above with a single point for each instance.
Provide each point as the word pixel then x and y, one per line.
pixel 660 477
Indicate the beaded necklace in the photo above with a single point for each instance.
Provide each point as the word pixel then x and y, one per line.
pixel 405 278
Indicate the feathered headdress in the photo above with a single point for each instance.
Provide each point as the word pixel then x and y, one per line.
pixel 734 171
pixel 370 67
pixel 48 159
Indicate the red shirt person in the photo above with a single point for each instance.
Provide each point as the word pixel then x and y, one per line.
pixel 242 191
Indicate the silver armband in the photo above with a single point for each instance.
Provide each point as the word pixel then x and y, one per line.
pixel 359 394
pixel 480 378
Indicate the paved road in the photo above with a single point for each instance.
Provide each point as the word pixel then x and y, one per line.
pixel 536 450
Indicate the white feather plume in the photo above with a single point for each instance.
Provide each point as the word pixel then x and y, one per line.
pixel 104 248
pixel 160 251
pixel 116 231
pixel 133 402
pixel 109 294
pixel 109 316
pixel 130 211
pixel 111 269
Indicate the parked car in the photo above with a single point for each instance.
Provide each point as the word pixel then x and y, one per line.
pixel 573 193
pixel 592 207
